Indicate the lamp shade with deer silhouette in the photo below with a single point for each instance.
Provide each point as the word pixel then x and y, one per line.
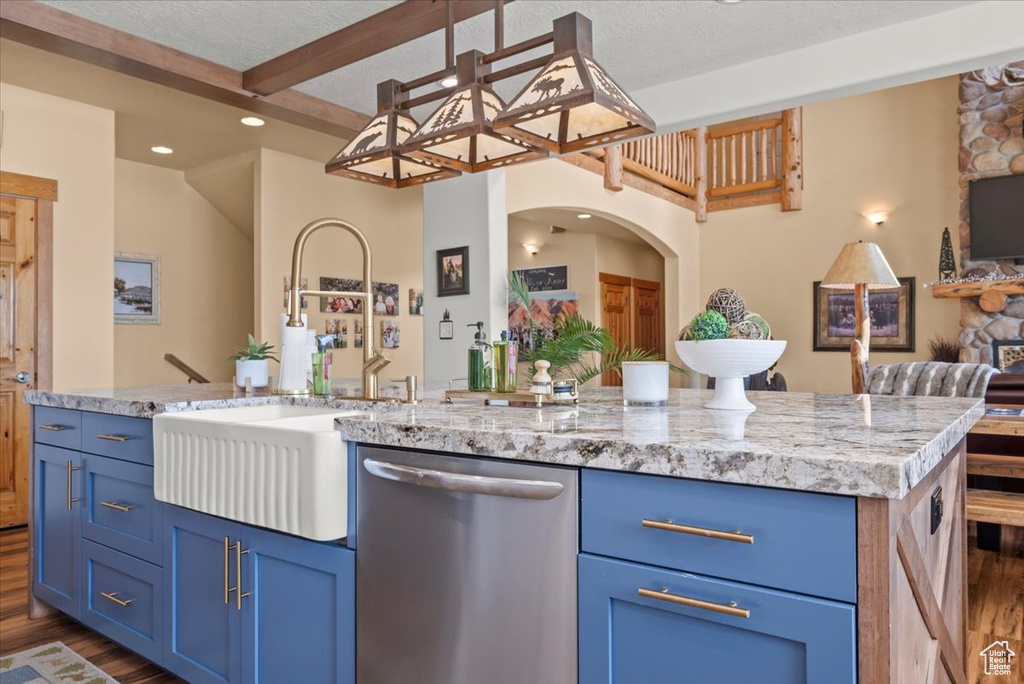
pixel 572 104
pixel 458 135
pixel 373 154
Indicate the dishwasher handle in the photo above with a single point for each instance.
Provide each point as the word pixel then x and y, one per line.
pixel 458 482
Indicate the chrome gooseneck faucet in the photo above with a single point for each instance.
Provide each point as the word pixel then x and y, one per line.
pixel 373 361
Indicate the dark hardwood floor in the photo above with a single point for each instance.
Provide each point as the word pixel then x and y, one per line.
pixel 995 589
pixel 17 632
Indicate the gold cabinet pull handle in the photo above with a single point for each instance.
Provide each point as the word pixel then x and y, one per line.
pixel 663 595
pixel 124 508
pixel 112 596
pixel 54 428
pixel 71 469
pixel 670 526
pixel 227 588
pixel 113 438
pixel 239 595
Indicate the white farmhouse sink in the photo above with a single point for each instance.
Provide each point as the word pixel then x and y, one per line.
pixel 280 467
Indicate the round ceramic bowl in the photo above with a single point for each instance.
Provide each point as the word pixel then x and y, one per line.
pixel 728 362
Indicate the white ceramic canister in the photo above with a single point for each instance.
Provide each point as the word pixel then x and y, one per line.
pixel 645 383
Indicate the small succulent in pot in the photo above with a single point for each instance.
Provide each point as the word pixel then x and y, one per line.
pixel 252 362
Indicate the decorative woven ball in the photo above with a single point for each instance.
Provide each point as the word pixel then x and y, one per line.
pixel 685 334
pixel 752 327
pixel 728 303
pixel 709 325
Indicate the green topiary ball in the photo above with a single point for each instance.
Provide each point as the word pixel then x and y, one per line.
pixel 709 325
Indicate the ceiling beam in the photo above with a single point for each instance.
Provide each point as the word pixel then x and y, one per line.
pixel 390 28
pixel 46 28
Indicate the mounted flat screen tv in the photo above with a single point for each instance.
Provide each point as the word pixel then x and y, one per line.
pixel 997 218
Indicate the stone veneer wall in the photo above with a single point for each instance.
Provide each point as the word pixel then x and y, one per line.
pixel 991 144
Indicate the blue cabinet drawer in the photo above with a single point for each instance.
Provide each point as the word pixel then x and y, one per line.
pixel 129 439
pixel 801 541
pixel 122 598
pixel 120 510
pixel 58 427
pixel 646 625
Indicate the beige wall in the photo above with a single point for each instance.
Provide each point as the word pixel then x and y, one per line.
pixel 73 144
pixel 206 278
pixel 894 150
pixel 291 192
pixel 629 259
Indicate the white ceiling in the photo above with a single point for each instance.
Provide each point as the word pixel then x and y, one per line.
pixel 640 42
pixel 567 219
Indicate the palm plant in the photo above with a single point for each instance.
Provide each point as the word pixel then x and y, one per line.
pixel 580 349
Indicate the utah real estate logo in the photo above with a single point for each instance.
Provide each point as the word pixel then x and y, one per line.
pixel 997 658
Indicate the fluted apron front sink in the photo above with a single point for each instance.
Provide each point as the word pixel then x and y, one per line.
pixel 280 467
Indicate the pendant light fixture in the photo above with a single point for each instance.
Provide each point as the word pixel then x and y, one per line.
pixel 373 155
pixel 459 134
pixel 572 104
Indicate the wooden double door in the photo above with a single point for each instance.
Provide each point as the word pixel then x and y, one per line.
pixel 633 311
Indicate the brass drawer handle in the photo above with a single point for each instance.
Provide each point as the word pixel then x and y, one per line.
pixel 239 595
pixel 670 526
pixel 112 596
pixel 113 438
pixel 227 589
pixel 71 469
pixel 663 595
pixel 116 506
pixel 54 428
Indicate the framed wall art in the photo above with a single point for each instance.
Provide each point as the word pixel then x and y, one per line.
pixel 1008 355
pixel 136 289
pixel 452 271
pixel 891 313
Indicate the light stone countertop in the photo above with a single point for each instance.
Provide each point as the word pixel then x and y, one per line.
pixel 873 446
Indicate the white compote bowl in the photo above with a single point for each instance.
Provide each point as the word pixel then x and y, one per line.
pixel 728 362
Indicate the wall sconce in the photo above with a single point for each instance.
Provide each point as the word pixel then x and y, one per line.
pixel 532 247
pixel 877 217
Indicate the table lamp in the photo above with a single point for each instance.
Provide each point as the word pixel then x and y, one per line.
pixel 860 267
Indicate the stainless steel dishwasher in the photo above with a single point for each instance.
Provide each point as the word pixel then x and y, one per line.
pixel 466 570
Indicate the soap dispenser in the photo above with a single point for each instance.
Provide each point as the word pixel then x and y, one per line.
pixel 479 360
pixel 505 358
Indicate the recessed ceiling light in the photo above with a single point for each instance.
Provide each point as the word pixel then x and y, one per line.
pixel 448 82
pixel 160 149
pixel 252 121
pixel 582 216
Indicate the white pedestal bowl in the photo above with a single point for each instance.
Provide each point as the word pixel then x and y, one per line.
pixel 728 362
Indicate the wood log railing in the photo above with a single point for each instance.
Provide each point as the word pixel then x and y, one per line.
pixel 192 373
pixel 742 164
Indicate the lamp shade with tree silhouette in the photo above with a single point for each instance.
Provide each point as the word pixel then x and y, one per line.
pixel 860 267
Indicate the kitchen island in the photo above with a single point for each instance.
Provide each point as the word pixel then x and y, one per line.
pixel 820 538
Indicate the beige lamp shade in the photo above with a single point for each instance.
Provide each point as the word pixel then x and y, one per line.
pixel 860 263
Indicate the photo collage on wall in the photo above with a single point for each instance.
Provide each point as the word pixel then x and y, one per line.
pixel 550 299
pixel 386 303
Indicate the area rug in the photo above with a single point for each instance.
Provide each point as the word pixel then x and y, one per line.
pixel 50 664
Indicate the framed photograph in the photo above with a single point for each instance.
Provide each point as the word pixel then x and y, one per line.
pixel 357 334
pixel 1008 355
pixel 390 334
pixel 453 271
pixel 352 305
pixel 136 289
pixel 891 313
pixel 339 328
pixel 385 299
pixel 415 302
pixel 545 278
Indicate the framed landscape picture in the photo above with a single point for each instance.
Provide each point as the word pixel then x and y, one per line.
pixel 891 313
pixel 136 289
pixel 452 271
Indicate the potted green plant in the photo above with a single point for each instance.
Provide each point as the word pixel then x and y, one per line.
pixel 253 362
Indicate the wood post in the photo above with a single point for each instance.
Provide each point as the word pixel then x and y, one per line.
pixel 613 168
pixel 792 160
pixel 861 337
pixel 700 174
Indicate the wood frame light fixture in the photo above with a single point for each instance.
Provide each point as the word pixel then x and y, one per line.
pixel 373 154
pixel 572 104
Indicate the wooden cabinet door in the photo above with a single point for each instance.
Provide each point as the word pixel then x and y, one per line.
pixel 648 333
pixel 57 527
pixel 629 638
pixel 615 316
pixel 17 352
pixel 202 625
pixel 298 621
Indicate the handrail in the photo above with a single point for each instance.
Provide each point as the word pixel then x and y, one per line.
pixel 192 373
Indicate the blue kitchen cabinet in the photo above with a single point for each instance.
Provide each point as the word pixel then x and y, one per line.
pixel 630 638
pixel 58 544
pixel 202 624
pixel 298 622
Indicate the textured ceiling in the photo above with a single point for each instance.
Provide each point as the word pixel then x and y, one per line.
pixel 641 43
